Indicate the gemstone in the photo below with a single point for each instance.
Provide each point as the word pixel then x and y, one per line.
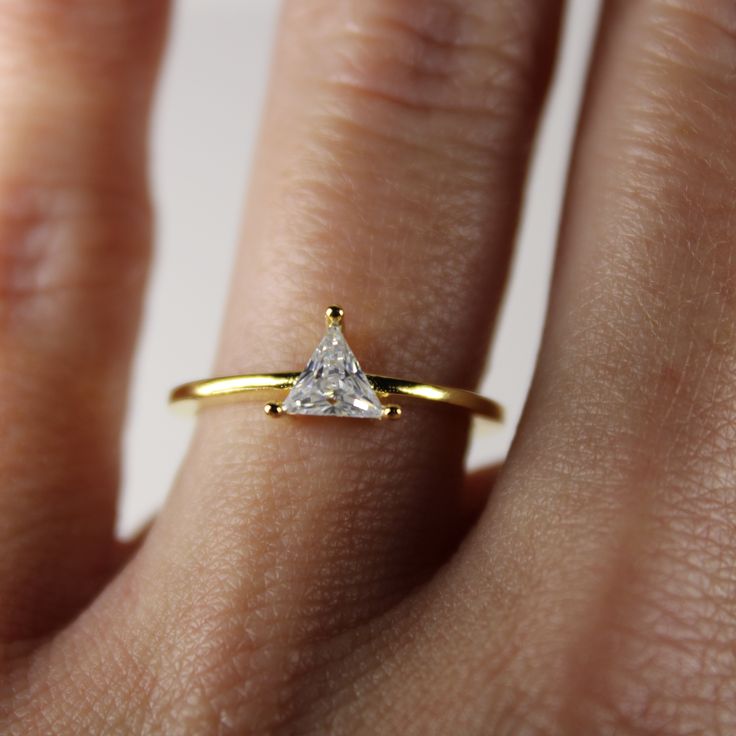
pixel 333 383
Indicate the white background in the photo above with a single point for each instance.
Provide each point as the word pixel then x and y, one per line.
pixel 206 122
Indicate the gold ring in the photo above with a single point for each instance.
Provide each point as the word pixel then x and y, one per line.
pixel 332 384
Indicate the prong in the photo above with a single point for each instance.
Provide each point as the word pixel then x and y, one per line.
pixel 392 411
pixel 334 315
pixel 273 409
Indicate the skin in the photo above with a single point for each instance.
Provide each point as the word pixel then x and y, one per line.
pixel 326 578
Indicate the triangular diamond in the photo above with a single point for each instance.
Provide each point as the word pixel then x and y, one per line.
pixel 333 383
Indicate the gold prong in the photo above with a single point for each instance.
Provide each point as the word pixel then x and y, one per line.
pixel 273 409
pixel 334 315
pixel 392 411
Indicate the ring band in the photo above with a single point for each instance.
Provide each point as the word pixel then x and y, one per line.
pixel 266 384
pixel 332 384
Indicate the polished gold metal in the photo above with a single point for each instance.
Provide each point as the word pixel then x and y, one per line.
pixel 334 315
pixel 273 409
pixel 274 385
pixel 392 411
pixel 268 385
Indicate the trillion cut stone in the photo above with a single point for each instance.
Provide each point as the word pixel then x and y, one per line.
pixel 333 383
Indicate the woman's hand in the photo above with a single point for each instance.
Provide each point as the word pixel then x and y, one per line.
pixel 324 578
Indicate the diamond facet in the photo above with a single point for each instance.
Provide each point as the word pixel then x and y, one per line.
pixel 333 383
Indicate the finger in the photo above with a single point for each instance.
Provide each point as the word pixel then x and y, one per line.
pixel 373 191
pixel 611 593
pixel 75 82
pixel 389 180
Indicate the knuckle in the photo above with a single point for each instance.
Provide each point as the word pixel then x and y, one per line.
pixel 682 84
pixel 703 33
pixel 443 57
pixel 56 242
pixel 680 103
pixel 89 35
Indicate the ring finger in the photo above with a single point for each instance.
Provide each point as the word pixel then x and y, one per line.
pixel 389 180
